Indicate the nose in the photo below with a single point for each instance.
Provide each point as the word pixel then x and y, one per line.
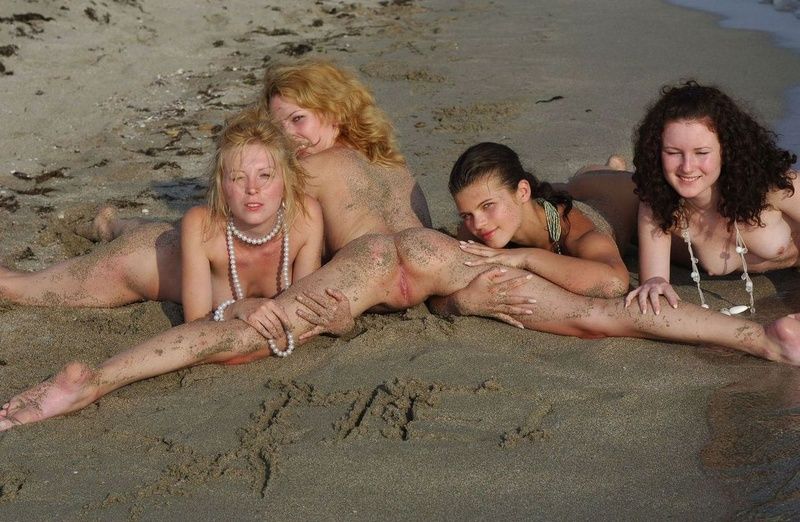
pixel 687 164
pixel 479 221
pixel 252 186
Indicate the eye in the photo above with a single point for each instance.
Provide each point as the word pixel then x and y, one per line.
pixel 487 206
pixel 297 118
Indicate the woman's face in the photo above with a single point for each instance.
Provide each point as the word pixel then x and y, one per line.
pixel 253 186
pixel 312 133
pixel 691 156
pixel 490 211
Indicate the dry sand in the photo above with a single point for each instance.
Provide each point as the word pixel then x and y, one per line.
pixel 418 416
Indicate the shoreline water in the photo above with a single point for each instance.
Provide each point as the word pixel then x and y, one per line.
pixel 783 27
pixel 417 416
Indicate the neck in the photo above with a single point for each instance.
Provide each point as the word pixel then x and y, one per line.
pixel 704 203
pixel 533 229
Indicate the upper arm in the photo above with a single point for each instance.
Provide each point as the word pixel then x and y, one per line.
pixel 654 246
pixel 588 243
pixel 196 291
pixel 310 228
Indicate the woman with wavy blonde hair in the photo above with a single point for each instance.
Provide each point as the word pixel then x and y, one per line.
pixel 340 131
pixel 336 95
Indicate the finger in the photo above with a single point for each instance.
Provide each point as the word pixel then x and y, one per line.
pixel 310 317
pixel 509 320
pixel 278 311
pixel 514 282
pixel 514 310
pixel 630 297
pixel 311 303
pixel 479 262
pixel 337 295
pixel 311 333
pixel 672 297
pixel 642 298
pixel 655 300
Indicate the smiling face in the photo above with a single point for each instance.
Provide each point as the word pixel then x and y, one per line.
pixel 490 211
pixel 311 132
pixel 253 186
pixel 691 156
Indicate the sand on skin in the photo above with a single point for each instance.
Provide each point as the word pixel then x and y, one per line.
pixel 418 415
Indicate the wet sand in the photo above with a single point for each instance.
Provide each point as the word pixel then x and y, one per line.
pixel 417 416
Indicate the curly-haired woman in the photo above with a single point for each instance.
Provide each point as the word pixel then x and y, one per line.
pixel 716 192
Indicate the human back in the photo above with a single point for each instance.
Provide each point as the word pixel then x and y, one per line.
pixel 347 145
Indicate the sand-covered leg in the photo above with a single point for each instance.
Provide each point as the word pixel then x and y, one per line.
pixel 785 332
pixel 70 389
pixel 142 265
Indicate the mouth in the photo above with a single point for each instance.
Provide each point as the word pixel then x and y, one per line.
pixel 485 236
pixel 253 206
pixel 688 179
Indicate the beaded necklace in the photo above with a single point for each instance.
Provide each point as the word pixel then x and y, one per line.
pixel 741 249
pixel 230 233
pixel 553 221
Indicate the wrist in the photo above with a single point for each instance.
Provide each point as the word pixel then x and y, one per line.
pixel 219 313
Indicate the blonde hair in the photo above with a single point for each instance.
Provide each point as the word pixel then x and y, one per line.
pixel 249 127
pixel 337 95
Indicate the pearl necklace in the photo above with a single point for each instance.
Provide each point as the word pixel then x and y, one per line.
pixel 232 231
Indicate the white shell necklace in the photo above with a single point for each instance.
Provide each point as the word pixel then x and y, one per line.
pixel 741 249
pixel 230 233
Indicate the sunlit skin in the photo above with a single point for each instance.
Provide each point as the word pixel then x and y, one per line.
pixel 498 216
pixel 691 156
pixel 312 133
pixel 253 187
pixel 692 159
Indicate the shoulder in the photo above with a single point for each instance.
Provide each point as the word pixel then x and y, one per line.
pixel 312 218
pixel 332 159
pixel 195 216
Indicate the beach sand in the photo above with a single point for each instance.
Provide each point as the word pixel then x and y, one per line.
pixel 417 416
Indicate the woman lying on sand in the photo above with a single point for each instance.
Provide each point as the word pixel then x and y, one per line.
pixel 716 192
pixel 502 205
pixel 393 270
pixel 334 120
pixel 259 231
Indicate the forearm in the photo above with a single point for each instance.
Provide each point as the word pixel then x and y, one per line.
pixel 579 276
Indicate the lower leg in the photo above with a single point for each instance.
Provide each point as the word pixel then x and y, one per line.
pixel 436 265
pixel 365 271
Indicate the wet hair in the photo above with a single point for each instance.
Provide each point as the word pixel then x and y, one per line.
pixel 487 159
pixel 253 127
pixel 338 96
pixel 752 163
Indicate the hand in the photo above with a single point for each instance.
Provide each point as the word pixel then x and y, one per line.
pixel 265 315
pixel 650 291
pixel 487 295
pixel 515 257
pixel 328 313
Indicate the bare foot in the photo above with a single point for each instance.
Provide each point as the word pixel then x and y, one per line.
pixel 616 163
pixel 69 390
pixel 785 332
pixel 102 226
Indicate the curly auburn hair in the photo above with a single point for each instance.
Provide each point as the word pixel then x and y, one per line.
pixel 336 95
pixel 752 163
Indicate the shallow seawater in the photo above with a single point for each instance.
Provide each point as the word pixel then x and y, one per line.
pixel 784 27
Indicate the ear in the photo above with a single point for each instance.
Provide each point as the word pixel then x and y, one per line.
pixel 523 192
